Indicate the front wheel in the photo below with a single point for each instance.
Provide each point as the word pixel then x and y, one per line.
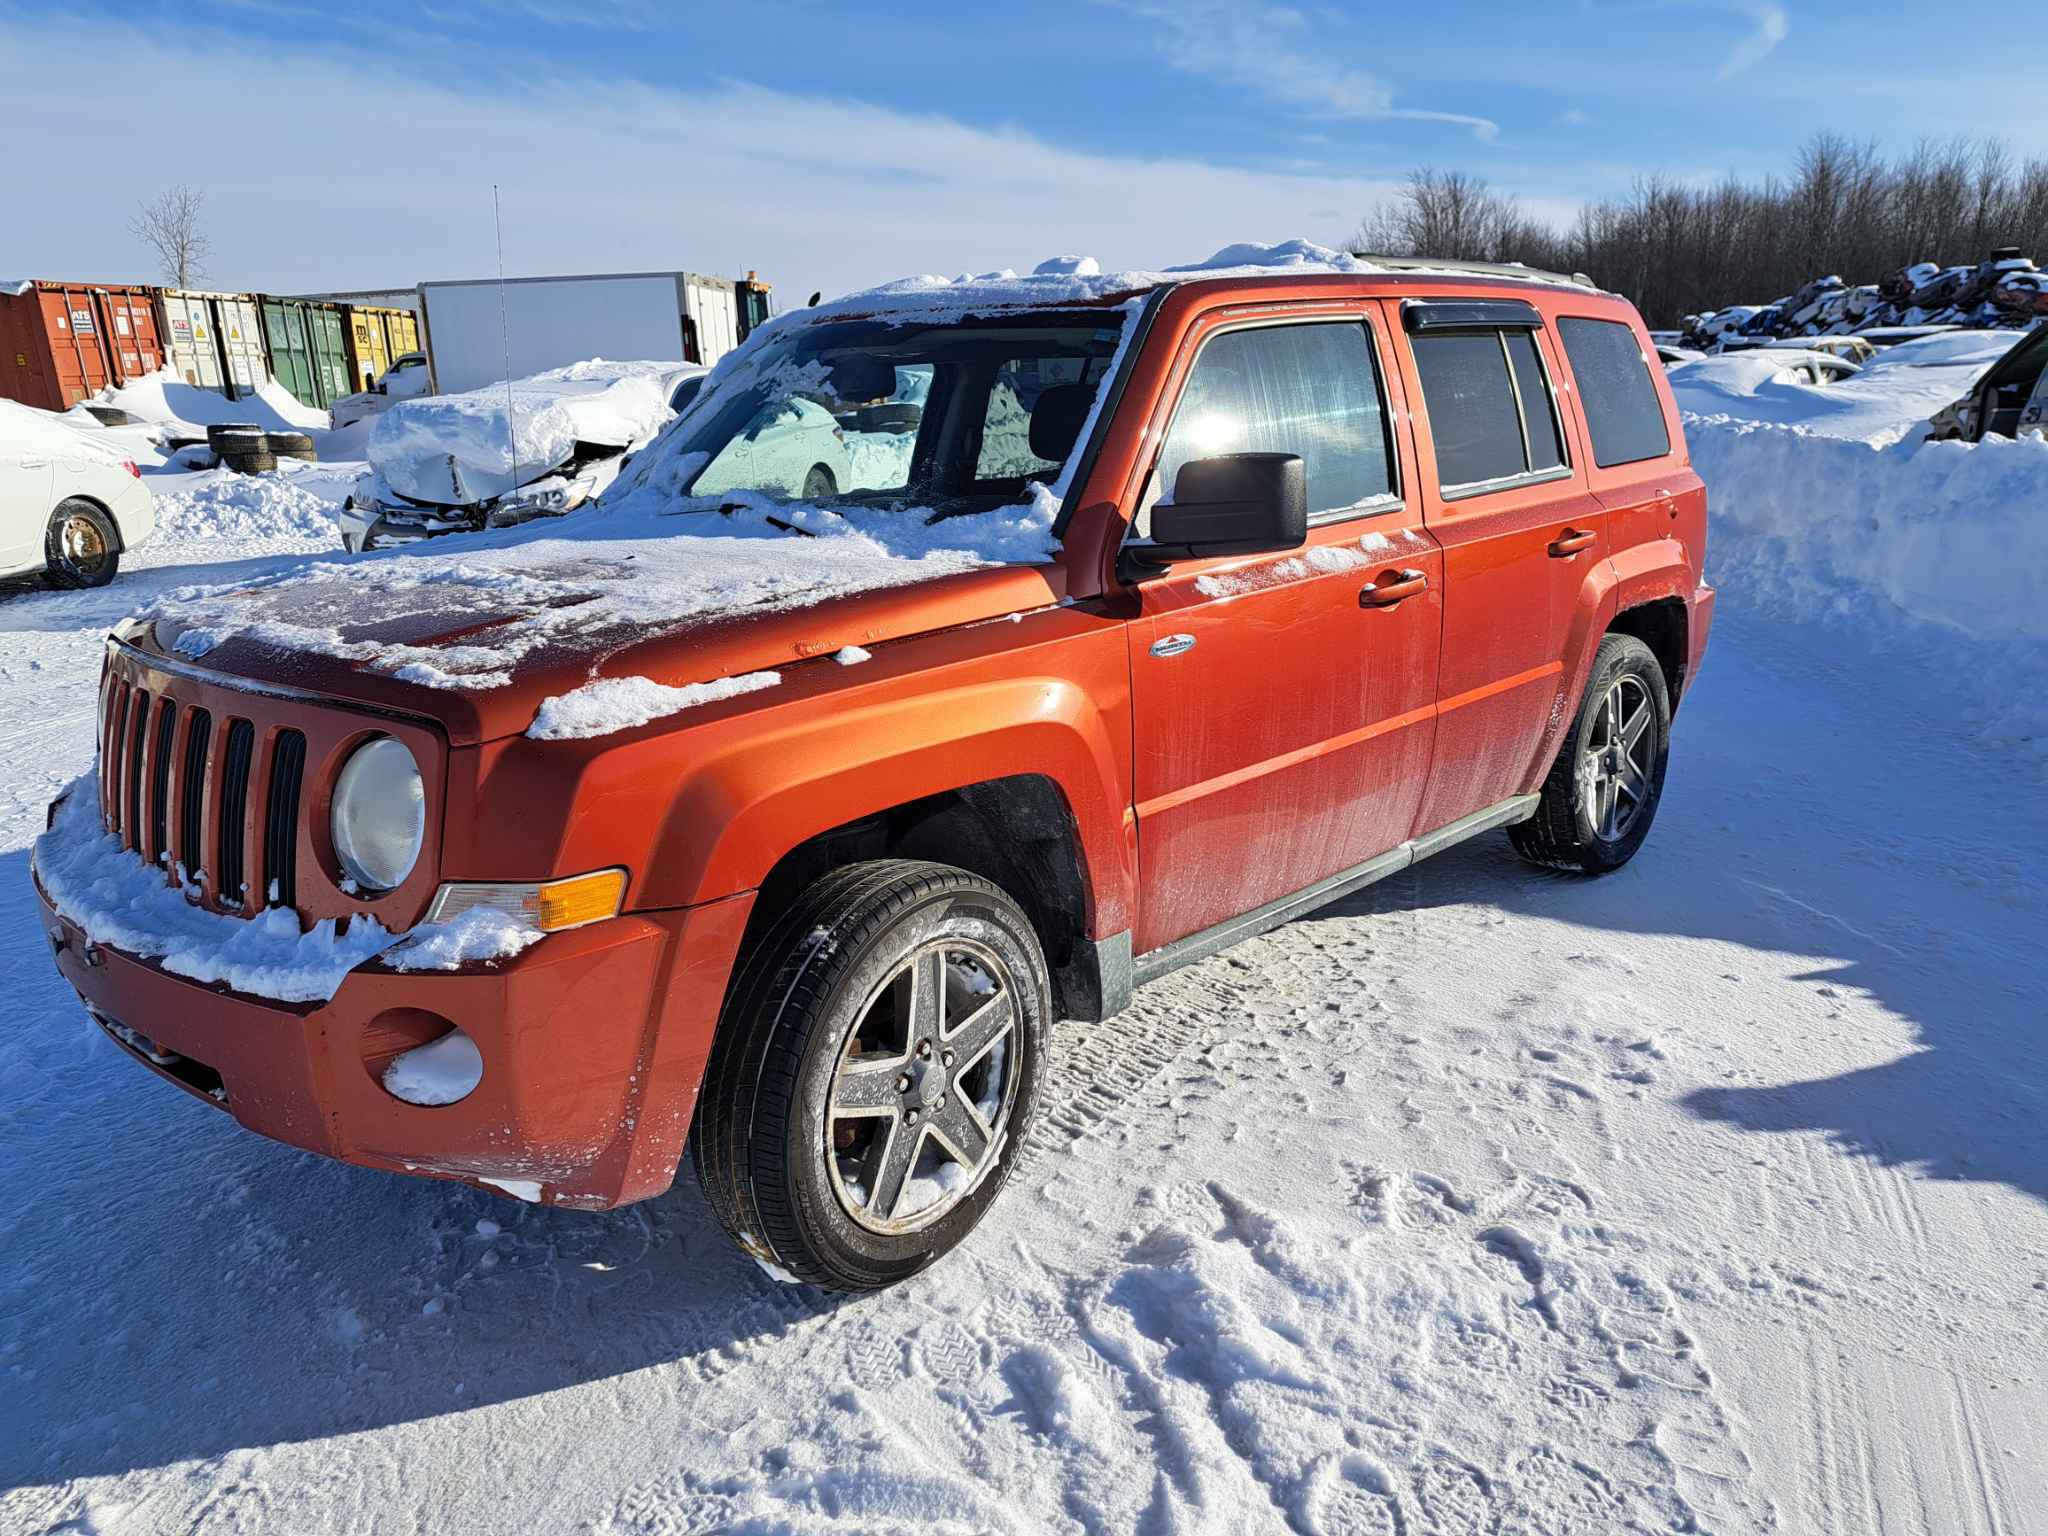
pixel 80 548
pixel 820 484
pixel 875 1070
pixel 1604 789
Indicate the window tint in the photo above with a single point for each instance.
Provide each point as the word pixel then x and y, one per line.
pixel 1471 401
pixel 1307 389
pixel 1539 412
pixel 1623 414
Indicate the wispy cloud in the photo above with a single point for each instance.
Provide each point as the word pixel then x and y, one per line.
pixel 1769 26
pixel 825 193
pixel 1277 52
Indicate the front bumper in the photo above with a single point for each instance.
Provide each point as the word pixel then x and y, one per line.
pixel 594 1043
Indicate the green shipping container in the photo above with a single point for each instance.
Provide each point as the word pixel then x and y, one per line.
pixel 308 349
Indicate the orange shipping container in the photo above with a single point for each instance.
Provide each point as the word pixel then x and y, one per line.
pixel 61 343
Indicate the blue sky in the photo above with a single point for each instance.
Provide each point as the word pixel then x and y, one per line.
pixel 834 145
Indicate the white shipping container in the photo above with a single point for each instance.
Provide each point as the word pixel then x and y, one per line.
pixel 550 322
pixel 187 334
pixel 240 327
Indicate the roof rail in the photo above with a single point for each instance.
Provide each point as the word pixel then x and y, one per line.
pixel 1479 268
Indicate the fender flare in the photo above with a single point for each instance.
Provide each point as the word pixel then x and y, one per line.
pixel 766 791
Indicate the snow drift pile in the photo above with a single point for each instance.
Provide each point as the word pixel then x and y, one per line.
pixel 1831 503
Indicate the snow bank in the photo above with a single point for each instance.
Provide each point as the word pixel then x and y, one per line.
pixel 1947 533
pixel 620 703
pixel 459 449
pixel 241 509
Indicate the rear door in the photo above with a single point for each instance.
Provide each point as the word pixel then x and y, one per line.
pixel 1283 704
pixel 26 475
pixel 1519 530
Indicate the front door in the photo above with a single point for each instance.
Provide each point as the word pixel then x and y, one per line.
pixel 1519 531
pixel 1283 705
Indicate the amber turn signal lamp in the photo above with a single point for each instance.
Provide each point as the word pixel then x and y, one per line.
pixel 550 906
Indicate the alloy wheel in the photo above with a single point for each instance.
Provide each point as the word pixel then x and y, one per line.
pixel 1614 770
pixel 923 1087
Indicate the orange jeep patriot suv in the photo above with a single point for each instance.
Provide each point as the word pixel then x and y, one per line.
pixel 966 655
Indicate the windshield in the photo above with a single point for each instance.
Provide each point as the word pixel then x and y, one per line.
pixel 954 418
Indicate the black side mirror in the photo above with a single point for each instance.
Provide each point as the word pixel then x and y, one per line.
pixel 1233 504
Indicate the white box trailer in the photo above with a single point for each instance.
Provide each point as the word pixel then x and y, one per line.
pixel 474 332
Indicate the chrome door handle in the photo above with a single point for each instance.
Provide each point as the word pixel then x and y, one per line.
pixel 1392 588
pixel 1172 645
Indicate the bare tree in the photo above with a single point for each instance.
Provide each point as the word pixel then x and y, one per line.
pixel 1678 248
pixel 169 225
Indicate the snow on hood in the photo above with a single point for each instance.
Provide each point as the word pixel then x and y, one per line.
pixel 465 618
pixel 457 450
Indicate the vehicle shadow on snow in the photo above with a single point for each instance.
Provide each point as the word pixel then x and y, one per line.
pixel 173 1287
pixel 1965 1104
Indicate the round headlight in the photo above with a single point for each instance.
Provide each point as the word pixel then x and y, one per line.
pixel 380 814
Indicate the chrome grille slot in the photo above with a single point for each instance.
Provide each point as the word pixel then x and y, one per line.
pixel 281 821
pixel 231 879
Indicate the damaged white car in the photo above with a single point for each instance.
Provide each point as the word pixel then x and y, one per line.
pixel 508 453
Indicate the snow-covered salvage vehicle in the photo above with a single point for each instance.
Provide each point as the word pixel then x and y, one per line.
pixel 508 453
pixel 2010 400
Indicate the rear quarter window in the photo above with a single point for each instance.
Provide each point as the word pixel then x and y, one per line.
pixel 1623 413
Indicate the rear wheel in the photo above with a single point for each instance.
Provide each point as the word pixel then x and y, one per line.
pixel 80 548
pixel 1603 790
pixel 874 1073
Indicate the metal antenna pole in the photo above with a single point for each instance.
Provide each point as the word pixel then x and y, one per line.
pixel 505 338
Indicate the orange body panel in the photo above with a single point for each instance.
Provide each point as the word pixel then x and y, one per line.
pixel 1303 732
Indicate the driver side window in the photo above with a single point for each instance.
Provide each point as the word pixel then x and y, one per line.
pixel 1309 389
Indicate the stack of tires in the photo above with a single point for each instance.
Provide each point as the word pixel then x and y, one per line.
pixel 250 450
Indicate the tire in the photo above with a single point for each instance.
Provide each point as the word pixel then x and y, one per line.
pixel 250 463
pixel 820 484
pixel 294 445
pixel 824 984
pixel 237 437
pixel 80 547
pixel 1586 821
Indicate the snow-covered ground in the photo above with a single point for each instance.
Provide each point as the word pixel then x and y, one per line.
pixel 1709 1196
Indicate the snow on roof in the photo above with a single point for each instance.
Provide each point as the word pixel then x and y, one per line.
pixel 164 397
pixel 459 449
pixel 1081 280
pixel 24 428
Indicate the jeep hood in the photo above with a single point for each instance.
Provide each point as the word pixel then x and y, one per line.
pixel 478 636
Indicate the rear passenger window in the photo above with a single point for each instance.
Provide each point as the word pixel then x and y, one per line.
pixel 1623 413
pixel 1307 389
pixel 1490 411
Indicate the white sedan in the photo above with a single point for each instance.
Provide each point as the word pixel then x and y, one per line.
pixel 68 506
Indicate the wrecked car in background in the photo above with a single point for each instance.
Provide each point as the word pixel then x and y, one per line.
pixel 508 453
pixel 2010 400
